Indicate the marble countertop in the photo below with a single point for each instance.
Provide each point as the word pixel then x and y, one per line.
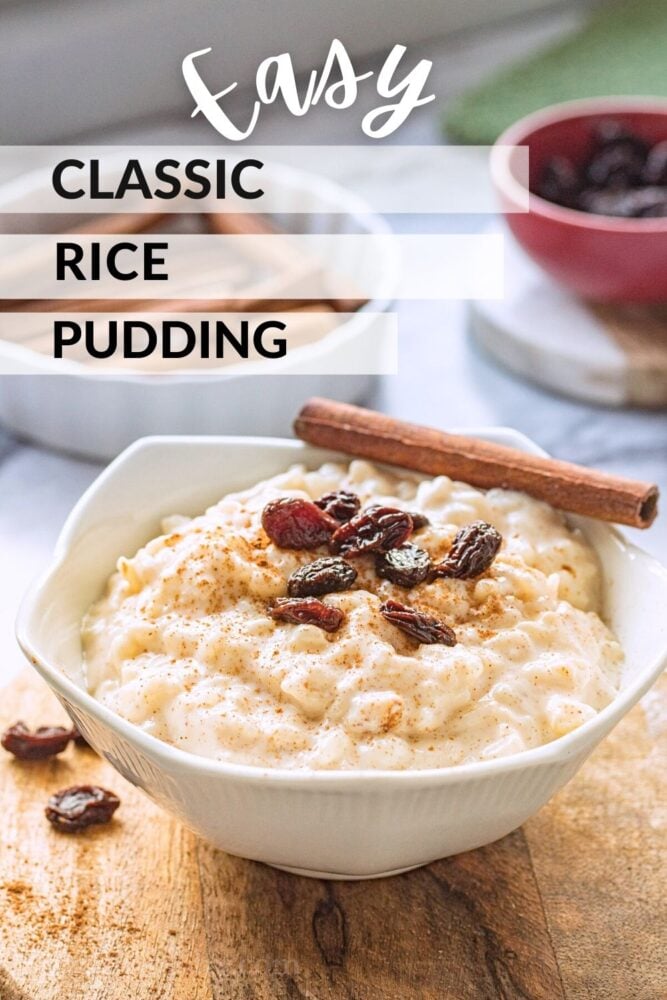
pixel 444 379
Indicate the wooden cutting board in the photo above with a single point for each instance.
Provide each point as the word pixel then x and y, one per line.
pixel 570 906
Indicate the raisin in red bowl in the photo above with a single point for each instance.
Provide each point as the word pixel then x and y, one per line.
pixel 603 258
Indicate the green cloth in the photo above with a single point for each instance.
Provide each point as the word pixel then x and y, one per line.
pixel 621 50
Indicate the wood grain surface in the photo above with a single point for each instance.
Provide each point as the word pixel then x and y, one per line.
pixel 641 333
pixel 570 907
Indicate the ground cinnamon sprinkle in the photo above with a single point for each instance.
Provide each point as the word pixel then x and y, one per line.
pixel 20 893
pixel 61 917
pixel 38 918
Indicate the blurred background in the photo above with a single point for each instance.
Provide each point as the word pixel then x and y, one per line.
pixel 92 71
pixel 83 68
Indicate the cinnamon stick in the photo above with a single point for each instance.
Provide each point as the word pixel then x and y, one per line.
pixel 118 223
pixel 140 306
pixel 255 224
pixel 240 223
pixel 569 487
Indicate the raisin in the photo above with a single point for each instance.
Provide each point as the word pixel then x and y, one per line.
pixel 560 182
pixel 646 202
pixel 78 738
pixel 612 134
pixel 633 204
pixel 377 529
pixel 406 565
pixel 47 741
pixel 623 176
pixel 419 520
pixel 80 806
pixel 421 627
pixel 307 611
pixel 340 504
pixel 600 202
pixel 608 132
pixel 657 211
pixel 324 576
pixel 616 166
pixel 619 158
pixel 472 552
pixel 655 168
pixel 293 523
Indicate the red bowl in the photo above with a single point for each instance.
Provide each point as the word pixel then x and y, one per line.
pixel 599 257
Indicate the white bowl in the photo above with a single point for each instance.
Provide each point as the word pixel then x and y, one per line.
pixel 338 824
pixel 46 404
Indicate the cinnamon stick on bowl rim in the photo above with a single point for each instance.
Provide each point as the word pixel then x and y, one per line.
pixel 574 488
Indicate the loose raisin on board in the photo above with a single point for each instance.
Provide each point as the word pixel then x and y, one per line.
pixel 80 806
pixel 78 738
pixel 46 741
pixel 377 529
pixel 293 523
pixel 307 611
pixel 472 552
pixel 323 576
pixel 405 566
pixel 339 504
pixel 416 624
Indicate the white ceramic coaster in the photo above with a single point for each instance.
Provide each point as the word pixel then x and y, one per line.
pixel 603 354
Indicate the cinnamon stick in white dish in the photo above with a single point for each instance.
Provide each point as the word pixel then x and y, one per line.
pixel 255 224
pixel 569 487
pixel 117 223
pixel 240 224
pixel 141 306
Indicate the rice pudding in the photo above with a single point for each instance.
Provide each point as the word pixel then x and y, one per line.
pixel 434 650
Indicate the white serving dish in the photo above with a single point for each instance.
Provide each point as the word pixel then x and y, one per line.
pixel 96 416
pixel 335 824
